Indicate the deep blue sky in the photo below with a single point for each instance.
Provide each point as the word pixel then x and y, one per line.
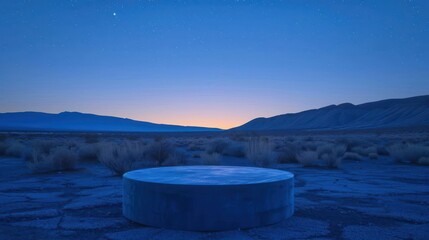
pixel 210 63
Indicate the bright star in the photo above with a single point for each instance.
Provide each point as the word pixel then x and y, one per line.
pixel 114 14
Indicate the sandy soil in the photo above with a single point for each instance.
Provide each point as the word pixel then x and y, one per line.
pixel 371 199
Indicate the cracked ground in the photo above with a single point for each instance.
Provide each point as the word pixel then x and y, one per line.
pixel 369 199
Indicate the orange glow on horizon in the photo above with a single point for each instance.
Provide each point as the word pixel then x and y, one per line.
pixel 224 124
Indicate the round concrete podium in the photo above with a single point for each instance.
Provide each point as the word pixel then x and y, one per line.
pixel 207 198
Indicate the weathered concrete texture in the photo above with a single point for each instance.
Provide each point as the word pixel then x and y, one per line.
pixel 208 198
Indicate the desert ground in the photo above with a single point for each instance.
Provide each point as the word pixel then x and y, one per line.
pixel 347 185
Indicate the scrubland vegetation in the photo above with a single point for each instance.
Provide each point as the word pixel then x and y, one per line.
pixel 260 151
pixel 53 153
pixel 406 152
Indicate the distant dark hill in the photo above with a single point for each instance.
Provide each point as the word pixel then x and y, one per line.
pixel 391 113
pixel 75 121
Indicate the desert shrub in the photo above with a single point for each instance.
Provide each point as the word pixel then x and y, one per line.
pixel 339 150
pixel 352 143
pixel 178 157
pixel 45 146
pixel 331 155
pixel 181 143
pixel 3 148
pixel 286 157
pixel 210 158
pixel 88 152
pixel 238 137
pixel 3 137
pixel 324 149
pixel 16 148
pixel 58 159
pixel 334 160
pixel 63 159
pixel 370 149
pixel 260 152
pixel 408 153
pixel 132 137
pixel 159 151
pixel 217 146
pixel 287 153
pixel 364 151
pixel 123 156
pixel 309 139
pixel 308 158
pixel 91 138
pixel 40 162
pixel 234 149
pixel 352 156
pixel 195 147
pixel 27 155
pixel 308 146
pixel 331 161
pixel 423 161
pixel 373 155
pixel 381 150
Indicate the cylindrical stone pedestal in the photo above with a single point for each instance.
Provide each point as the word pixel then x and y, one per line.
pixel 208 198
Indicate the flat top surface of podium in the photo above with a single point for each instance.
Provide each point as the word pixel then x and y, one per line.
pixel 208 175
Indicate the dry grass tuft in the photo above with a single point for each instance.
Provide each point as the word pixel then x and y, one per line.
pixel 3 148
pixel 352 156
pixel 287 153
pixel 45 146
pixel 59 159
pixel 210 158
pixel 332 155
pixel 308 158
pixel 364 151
pixel 381 150
pixel 234 149
pixel 178 157
pixel 195 147
pixel 326 155
pixel 260 152
pixel 226 147
pixel 423 161
pixel 159 151
pixel 373 155
pixel 123 156
pixel 16 148
pixel 88 152
pixel 408 152
pixel 217 146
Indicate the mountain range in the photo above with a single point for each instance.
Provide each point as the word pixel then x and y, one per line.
pixel 390 113
pixel 75 121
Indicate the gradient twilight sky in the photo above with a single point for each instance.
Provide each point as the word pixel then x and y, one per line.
pixel 209 63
